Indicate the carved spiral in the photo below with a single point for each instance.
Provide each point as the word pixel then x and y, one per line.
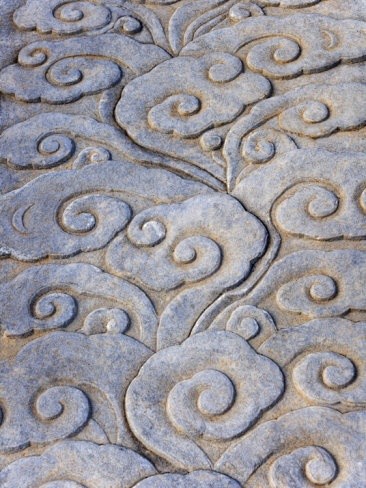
pixel 65 72
pixel 313 112
pixel 181 105
pixel 197 391
pixel 323 204
pixel 322 376
pixel 91 155
pixel 322 288
pixel 301 208
pixel 70 12
pixel 143 232
pixel 112 320
pixel 306 118
pixel 263 144
pixel 274 57
pixel 224 67
pixel 251 322
pixel 81 15
pixel 66 406
pixel 304 467
pixel 243 10
pixel 57 148
pixel 210 141
pixel 88 212
pixel 192 403
pixel 200 250
pixel 128 25
pixel 83 71
pixel 308 293
pixel 55 308
pixel 33 55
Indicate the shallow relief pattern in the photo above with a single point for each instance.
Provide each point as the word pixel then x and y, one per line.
pixel 182 244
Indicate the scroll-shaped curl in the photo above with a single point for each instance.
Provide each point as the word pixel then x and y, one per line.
pixel 314 194
pixel 78 464
pixel 187 243
pixel 170 107
pixel 91 155
pixel 305 448
pixel 253 324
pixel 314 293
pixel 195 391
pixel 53 309
pixel 63 71
pixel 313 284
pixel 54 138
pixel 63 213
pixel 324 359
pixel 264 144
pixel 334 370
pixel 52 295
pixel 112 320
pixel 310 202
pixel 56 412
pixel 37 412
pixel 61 16
pixel 57 148
pixel 286 46
pixel 305 465
pixel 61 224
pixel 272 57
pixel 82 214
pixel 311 111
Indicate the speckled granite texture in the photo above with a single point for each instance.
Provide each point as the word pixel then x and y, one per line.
pixel 182 244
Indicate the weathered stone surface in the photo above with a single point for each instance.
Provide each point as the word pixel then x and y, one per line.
pixel 182 244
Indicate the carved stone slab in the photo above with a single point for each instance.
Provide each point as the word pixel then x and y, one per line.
pixel 182 244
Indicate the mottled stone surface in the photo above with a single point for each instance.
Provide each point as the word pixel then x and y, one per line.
pixel 182 244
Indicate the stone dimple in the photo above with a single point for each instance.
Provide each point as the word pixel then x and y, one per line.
pixel 182 244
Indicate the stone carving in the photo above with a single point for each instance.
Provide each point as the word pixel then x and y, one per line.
pixel 58 16
pixel 182 244
pixel 312 194
pixel 197 17
pixel 78 464
pixel 51 295
pixel 290 46
pixel 72 385
pixel 59 215
pixel 180 113
pixel 332 369
pixel 253 324
pixel 312 111
pixel 52 139
pixel 195 391
pixel 308 447
pixel 157 254
pixel 64 71
pixel 91 17
pixel 314 284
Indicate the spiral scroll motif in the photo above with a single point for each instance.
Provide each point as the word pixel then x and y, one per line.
pixel 205 395
pixel 308 466
pixel 182 244
pixel 308 447
pixel 61 17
